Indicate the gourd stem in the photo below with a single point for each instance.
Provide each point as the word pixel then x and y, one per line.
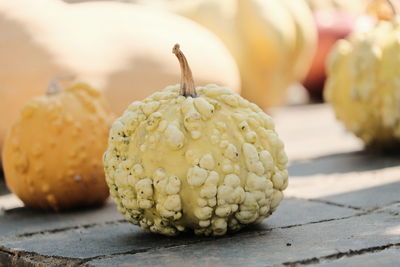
pixel 392 7
pixel 54 88
pixel 187 83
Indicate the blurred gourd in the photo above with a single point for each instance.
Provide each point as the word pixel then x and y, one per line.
pixel 332 25
pixel 335 19
pixel 353 6
pixel 305 37
pixel 363 83
pixel 272 41
pixel 52 155
pixel 117 47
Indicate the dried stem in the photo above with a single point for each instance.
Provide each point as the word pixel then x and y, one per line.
pixel 187 83
pixel 392 7
pixel 382 9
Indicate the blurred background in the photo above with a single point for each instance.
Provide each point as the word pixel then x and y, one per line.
pixel 271 52
pixel 331 20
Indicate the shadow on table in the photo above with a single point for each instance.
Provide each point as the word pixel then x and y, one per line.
pixel 358 161
pixel 138 237
pixel 3 187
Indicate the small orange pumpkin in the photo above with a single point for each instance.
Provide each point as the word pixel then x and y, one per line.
pixel 52 155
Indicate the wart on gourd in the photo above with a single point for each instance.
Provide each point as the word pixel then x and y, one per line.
pixel 199 176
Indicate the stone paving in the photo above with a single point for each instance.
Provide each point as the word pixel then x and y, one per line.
pixel 342 208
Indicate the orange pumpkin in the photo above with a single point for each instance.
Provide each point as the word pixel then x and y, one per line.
pixel 52 156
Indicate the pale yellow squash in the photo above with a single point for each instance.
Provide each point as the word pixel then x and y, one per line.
pixel 306 37
pixel 363 84
pixel 198 159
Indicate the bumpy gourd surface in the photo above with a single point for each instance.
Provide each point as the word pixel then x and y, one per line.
pixel 209 163
pixel 364 83
pixel 53 152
